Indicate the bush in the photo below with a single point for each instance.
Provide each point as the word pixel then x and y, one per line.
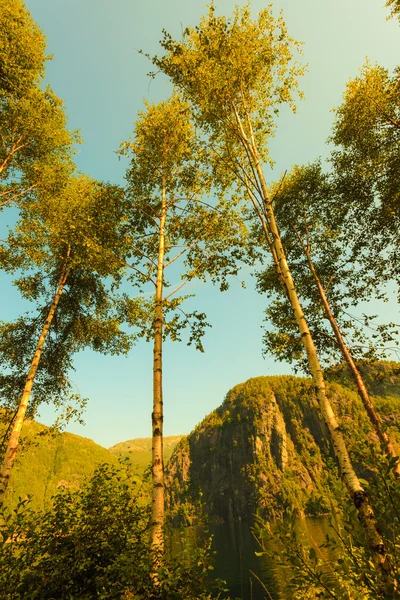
pixel 93 543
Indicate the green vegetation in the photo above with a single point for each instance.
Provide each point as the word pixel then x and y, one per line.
pixel 197 205
pixel 50 459
pixel 138 451
pixel 93 543
pixel 265 450
pixel 36 150
pixel 63 248
pixel 237 74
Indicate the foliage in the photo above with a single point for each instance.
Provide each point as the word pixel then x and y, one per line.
pixel 236 73
pixel 350 573
pixel 382 378
pixel 225 63
pixel 169 226
pixel 312 224
pixel 166 162
pixel 366 164
pixel 394 6
pixel 82 223
pixel 36 147
pixel 48 459
pixel 22 48
pixel 93 543
pixel 265 448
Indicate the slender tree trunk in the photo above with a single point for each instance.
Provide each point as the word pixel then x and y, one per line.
pixel 362 390
pixel 350 478
pixel 356 491
pixel 157 529
pixel 12 447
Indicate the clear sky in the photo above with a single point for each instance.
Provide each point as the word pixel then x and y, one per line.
pixel 101 77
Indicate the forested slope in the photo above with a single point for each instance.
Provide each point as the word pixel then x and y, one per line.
pixel 266 447
pixel 50 459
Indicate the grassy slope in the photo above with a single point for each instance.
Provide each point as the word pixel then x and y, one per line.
pixel 47 460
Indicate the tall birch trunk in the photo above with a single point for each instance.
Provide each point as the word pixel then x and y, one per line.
pixel 12 447
pixel 356 491
pixel 157 526
pixel 374 418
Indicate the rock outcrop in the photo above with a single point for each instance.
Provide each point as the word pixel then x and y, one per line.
pixel 264 449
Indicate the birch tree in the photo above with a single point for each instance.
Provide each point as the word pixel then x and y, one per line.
pixel 394 6
pixel 65 250
pixel 237 73
pixel 313 228
pixel 176 230
pixel 35 145
pixel 366 163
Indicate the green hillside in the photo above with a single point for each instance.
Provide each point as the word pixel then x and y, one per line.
pixel 266 447
pixel 47 460
pixel 138 451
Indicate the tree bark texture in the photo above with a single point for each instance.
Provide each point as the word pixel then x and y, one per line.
pixel 12 446
pixel 157 529
pixel 374 418
pixel 356 491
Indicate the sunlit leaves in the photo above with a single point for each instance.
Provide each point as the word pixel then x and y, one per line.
pixel 394 6
pixel 36 147
pixel 238 62
pixel 313 220
pixel 22 49
pixel 77 229
pixel 203 237
pixel 367 164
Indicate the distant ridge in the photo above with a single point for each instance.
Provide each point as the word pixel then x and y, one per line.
pixel 138 451
pixel 144 444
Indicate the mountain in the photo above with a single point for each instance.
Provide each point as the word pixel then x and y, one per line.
pixel 47 460
pixel 263 449
pixel 138 451
pixel 266 447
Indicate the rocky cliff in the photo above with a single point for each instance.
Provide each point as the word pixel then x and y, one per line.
pixel 266 448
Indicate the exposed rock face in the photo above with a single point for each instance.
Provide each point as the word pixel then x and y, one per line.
pixel 265 448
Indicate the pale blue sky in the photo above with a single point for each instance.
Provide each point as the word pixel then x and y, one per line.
pixel 102 79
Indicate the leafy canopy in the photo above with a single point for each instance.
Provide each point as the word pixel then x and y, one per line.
pixel 225 65
pixel 77 230
pixel 22 49
pixel 366 162
pixel 201 237
pixel 313 225
pixel 94 543
pixel 36 147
